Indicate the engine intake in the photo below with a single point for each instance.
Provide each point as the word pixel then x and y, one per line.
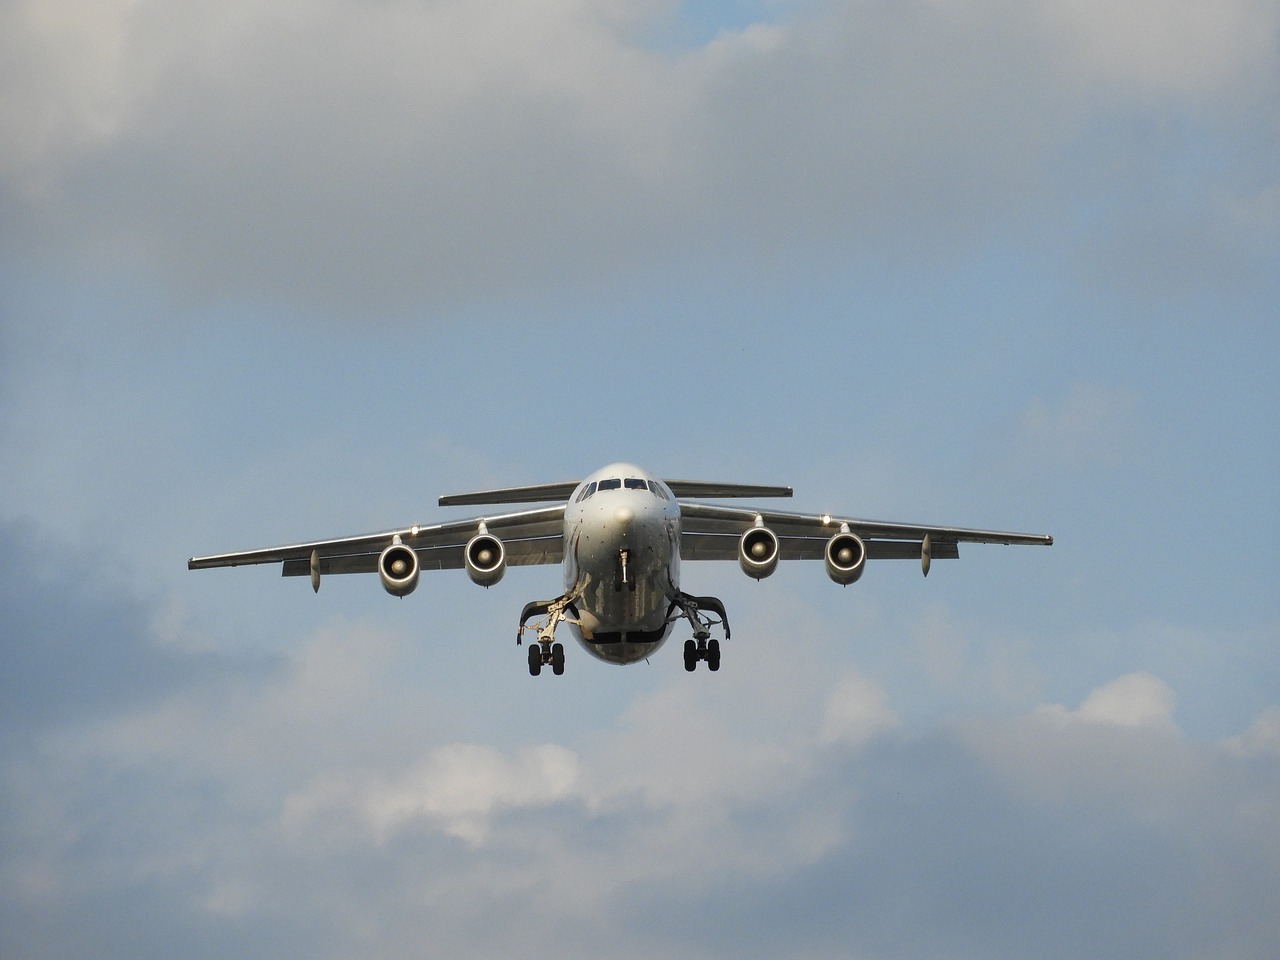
pixel 845 557
pixel 398 570
pixel 486 559
pixel 758 552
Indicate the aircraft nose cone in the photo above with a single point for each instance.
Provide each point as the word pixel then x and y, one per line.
pixel 623 516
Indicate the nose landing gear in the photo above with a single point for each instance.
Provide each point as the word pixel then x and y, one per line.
pixel 624 577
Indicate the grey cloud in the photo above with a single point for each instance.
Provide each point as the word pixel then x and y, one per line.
pixel 362 159
pixel 1049 834
pixel 945 860
pixel 72 645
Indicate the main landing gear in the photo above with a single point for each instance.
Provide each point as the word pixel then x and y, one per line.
pixel 546 651
pixel 702 646
pixel 708 650
pixel 540 656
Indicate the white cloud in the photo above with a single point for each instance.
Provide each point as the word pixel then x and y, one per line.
pixel 674 750
pixel 457 788
pixel 1262 739
pixel 1137 700
pixel 61 86
pixel 857 711
pixel 1169 46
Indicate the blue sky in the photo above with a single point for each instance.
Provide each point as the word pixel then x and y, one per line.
pixel 285 272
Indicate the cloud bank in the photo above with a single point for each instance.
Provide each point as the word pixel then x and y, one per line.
pixel 309 810
pixel 366 158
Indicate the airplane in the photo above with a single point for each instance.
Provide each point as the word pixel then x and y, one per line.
pixel 620 536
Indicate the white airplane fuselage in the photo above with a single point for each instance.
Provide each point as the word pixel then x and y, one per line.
pixel 622 562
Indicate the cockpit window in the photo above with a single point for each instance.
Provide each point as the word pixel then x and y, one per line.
pixel 617 483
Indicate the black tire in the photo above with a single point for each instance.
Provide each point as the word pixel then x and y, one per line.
pixel 713 655
pixel 557 658
pixel 535 659
pixel 690 656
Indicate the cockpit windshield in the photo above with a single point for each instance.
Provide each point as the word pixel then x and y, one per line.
pixel 618 483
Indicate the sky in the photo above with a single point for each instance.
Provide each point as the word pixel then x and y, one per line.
pixel 275 272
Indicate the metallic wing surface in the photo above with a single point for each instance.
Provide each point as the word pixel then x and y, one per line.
pixel 712 532
pixel 528 537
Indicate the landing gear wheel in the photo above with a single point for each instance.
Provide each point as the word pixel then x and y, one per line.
pixel 690 656
pixel 535 659
pixel 713 655
pixel 557 658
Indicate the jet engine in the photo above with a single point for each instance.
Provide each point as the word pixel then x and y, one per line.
pixel 845 557
pixel 398 570
pixel 758 552
pixel 486 559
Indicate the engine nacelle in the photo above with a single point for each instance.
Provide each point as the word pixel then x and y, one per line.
pixel 398 570
pixel 758 552
pixel 486 559
pixel 845 557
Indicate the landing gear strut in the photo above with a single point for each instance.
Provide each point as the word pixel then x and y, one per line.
pixel 624 573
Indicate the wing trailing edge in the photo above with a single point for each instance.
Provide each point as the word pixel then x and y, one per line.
pixel 538 493
pixel 711 489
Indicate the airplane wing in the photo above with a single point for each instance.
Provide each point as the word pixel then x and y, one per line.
pixel 711 532
pixel 529 536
